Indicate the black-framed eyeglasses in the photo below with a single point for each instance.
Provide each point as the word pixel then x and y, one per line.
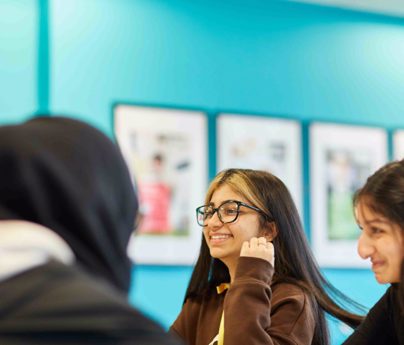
pixel 227 212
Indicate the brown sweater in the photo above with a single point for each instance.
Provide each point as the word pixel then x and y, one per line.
pixel 255 312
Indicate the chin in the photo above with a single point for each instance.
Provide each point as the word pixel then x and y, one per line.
pixel 382 280
pixel 220 255
pixel 215 253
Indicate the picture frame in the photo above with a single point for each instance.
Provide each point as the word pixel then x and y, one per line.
pixel 166 151
pixel 341 159
pixel 262 143
pixel 398 144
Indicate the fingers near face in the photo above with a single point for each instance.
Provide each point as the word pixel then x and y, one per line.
pixel 258 248
pixel 262 241
pixel 255 242
pixel 245 246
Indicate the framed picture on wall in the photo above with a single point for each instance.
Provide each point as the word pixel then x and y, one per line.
pixel 398 144
pixel 165 150
pixel 341 159
pixel 262 143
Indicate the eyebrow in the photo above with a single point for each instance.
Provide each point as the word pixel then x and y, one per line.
pixel 372 221
pixel 213 204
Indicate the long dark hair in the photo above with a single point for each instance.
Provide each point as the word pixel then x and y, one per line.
pixel 294 261
pixel 383 193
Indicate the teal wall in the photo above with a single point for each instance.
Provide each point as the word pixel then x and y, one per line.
pixel 18 59
pixel 279 58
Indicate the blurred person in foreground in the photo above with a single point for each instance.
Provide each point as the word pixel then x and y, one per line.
pixel 67 210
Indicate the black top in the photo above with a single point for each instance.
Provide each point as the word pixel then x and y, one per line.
pixel 71 178
pixel 58 304
pixel 384 323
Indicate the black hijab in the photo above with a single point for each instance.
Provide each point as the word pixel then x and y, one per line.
pixel 69 177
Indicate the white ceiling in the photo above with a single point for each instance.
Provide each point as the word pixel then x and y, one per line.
pixel 387 7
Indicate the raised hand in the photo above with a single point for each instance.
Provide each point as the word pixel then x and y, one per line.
pixel 259 248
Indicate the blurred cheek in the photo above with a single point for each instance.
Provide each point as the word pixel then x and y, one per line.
pixel 205 235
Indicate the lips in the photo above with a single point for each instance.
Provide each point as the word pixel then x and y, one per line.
pixel 376 264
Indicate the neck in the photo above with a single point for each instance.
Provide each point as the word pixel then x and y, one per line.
pixel 231 266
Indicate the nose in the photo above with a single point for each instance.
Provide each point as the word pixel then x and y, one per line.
pixel 214 222
pixel 365 246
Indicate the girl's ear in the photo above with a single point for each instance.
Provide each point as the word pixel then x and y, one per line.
pixel 270 231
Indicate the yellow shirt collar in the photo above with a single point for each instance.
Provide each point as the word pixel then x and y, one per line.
pixel 222 287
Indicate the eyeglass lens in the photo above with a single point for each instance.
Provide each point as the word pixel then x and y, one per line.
pixel 227 212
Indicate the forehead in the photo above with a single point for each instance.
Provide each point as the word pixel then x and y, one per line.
pixel 224 193
pixel 364 213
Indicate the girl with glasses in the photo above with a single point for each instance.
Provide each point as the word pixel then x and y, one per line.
pixel 255 281
pixel 379 211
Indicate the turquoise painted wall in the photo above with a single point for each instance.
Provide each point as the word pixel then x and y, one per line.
pixel 270 57
pixel 18 59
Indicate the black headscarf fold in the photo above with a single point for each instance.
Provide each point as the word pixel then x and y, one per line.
pixel 69 177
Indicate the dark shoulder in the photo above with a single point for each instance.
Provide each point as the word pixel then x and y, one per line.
pixel 59 287
pixel 388 302
pixel 60 302
pixel 379 326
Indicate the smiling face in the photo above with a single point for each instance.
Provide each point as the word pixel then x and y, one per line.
pixel 381 241
pixel 225 240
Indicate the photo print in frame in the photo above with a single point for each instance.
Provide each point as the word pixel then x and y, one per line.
pixel 165 149
pixel 341 159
